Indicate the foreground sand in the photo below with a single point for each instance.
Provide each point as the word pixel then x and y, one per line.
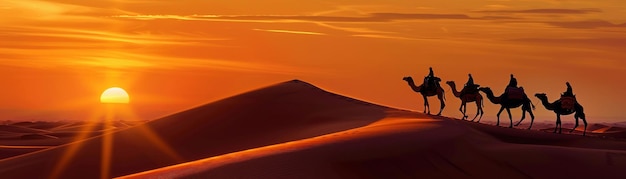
pixel 295 130
pixel 409 145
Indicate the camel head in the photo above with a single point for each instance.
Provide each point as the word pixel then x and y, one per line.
pixel 542 96
pixel 408 79
pixel 450 83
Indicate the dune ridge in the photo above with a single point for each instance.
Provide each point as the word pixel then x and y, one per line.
pixel 284 112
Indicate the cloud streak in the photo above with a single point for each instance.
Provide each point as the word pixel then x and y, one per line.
pixel 545 11
pixel 373 17
pixel 589 24
pixel 290 31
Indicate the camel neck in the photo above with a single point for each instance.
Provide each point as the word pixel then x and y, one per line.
pixel 546 103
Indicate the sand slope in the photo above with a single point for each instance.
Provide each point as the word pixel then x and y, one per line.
pixel 413 146
pixel 280 113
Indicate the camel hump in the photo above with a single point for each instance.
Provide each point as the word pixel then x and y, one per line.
pixel 515 93
pixel 434 79
pixel 568 102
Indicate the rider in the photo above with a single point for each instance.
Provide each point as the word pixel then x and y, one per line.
pixel 512 88
pixel 430 79
pixel 569 90
pixel 470 87
pixel 512 82
pixel 568 99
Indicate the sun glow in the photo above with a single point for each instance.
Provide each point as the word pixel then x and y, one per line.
pixel 114 95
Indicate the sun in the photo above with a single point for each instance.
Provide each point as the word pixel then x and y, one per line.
pixel 114 95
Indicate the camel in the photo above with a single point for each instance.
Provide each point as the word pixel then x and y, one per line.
pixel 511 103
pixel 426 93
pixel 468 98
pixel 559 109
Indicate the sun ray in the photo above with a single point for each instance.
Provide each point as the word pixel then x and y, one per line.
pixel 107 143
pixel 155 139
pixel 73 147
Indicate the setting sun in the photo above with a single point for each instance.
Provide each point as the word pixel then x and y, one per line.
pixel 114 95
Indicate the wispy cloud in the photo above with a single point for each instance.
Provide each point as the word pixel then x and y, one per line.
pixel 589 24
pixel 373 17
pixel 545 11
pixel 380 36
pixel 605 42
pixel 290 31
pixel 117 60
pixel 351 29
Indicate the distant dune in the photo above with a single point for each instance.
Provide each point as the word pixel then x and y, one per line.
pixel 26 137
pixel 296 130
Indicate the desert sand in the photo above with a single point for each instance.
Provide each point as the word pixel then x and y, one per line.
pixel 296 130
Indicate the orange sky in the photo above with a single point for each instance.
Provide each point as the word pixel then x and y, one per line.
pixel 57 56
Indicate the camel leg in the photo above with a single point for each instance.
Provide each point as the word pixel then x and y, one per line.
pixel 461 110
pixel 525 108
pixel 508 110
pixel 443 104
pixel 558 123
pixel 581 114
pixel 426 105
pixel 481 114
pixel 532 118
pixel 464 110
pixel 575 124
pixel 584 122
pixel 479 105
pixel 477 111
pixel 498 115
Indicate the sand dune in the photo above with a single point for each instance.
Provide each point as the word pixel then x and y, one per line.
pixel 296 130
pixel 20 129
pixel 280 113
pixel 417 147
pixel 26 137
pixel 44 125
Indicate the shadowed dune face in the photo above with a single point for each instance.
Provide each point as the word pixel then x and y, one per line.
pixel 284 112
pixel 417 147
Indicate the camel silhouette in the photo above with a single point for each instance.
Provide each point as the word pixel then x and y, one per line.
pixel 426 92
pixel 508 103
pixel 560 108
pixel 468 97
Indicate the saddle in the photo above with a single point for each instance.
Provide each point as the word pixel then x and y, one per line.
pixel 471 89
pixel 515 93
pixel 568 102
pixel 433 83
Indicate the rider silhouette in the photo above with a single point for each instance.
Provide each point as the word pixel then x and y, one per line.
pixel 470 87
pixel 569 91
pixel 512 82
pixel 470 81
pixel 431 80
pixel 568 99
pixel 512 91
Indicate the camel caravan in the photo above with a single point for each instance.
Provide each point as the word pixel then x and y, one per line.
pixel 513 97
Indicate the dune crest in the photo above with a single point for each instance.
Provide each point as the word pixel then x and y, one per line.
pixel 279 113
